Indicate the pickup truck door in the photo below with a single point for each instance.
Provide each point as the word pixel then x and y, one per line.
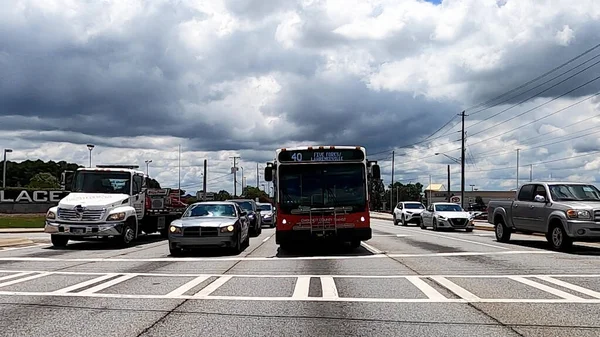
pixel 540 211
pixel 523 208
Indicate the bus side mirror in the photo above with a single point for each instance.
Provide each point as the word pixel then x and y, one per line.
pixel 268 174
pixel 376 172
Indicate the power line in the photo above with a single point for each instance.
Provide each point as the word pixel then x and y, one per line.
pixel 535 79
pixel 540 163
pixel 443 126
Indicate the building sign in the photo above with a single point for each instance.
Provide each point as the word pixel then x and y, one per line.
pixel 324 155
pixel 31 196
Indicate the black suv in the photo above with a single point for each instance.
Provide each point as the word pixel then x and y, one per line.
pixel 250 206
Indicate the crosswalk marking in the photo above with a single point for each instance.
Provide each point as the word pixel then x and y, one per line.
pixel 455 288
pixel 428 290
pixel 329 289
pixel 186 287
pixel 545 288
pixel 108 284
pixel 434 291
pixel 570 286
pixel 85 284
pixel 302 287
pixel 209 289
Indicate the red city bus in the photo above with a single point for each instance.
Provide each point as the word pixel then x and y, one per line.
pixel 322 192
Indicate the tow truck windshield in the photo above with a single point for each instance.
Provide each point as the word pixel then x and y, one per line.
pixel 102 182
pixel 322 185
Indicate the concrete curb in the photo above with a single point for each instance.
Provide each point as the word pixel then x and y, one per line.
pixel 15 242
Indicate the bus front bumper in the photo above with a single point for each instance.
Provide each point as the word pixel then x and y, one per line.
pixel 341 234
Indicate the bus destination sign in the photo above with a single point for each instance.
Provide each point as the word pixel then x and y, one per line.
pixel 324 155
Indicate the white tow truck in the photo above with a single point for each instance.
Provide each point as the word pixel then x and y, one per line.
pixel 108 201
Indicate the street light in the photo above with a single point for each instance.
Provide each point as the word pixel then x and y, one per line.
pixel 147 164
pixel 456 160
pixel 90 147
pixel 4 168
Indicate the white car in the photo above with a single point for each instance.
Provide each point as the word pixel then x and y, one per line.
pixel 446 215
pixel 408 212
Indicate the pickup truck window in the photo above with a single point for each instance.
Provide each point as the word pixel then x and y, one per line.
pixel 540 190
pixel 574 192
pixel 526 193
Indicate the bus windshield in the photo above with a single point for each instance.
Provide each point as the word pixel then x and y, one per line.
pixel 322 185
pixel 102 182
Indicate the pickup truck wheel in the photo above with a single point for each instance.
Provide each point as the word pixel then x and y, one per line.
pixel 502 232
pixel 558 238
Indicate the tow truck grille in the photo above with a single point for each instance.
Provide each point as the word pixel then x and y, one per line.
pixel 458 222
pixel 88 215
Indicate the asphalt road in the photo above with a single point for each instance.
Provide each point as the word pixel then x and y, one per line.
pixel 404 282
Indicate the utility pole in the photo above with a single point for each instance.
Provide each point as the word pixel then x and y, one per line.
pixel 518 168
pixel 257 178
pixel 234 171
pixel 392 187
pixel 472 187
pixel 449 193
pixel 179 179
pixel 462 163
pixel 429 201
pixel 530 172
pixel 204 179
pixel 4 167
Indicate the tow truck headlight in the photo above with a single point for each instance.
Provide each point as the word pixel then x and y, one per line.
pixel 175 229
pixel 116 216
pixel 227 229
pixel 578 214
pixel 50 215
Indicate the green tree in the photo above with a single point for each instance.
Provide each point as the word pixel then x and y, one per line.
pixel 377 193
pixel 44 180
pixel 402 192
pixel 20 174
pixel 251 192
pixel 222 195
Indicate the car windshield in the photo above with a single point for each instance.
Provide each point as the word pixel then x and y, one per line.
pixel 448 208
pixel 245 205
pixel 102 182
pixel 210 210
pixel 414 206
pixel 566 192
pixel 265 207
pixel 322 185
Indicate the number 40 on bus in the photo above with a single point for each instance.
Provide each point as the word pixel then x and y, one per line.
pixel 322 192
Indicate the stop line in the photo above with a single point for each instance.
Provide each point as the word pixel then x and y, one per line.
pixel 332 288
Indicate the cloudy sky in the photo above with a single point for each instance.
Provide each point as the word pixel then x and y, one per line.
pixel 241 78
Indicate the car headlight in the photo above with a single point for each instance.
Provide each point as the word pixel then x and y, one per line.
pixel 175 229
pixel 227 229
pixel 442 218
pixel 50 215
pixel 116 216
pixel 578 214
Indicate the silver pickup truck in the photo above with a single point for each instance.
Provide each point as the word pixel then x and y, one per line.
pixel 564 211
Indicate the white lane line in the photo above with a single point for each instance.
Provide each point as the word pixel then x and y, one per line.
pixel 371 248
pixel 402 235
pixel 86 283
pixel 186 287
pixel 302 287
pixel 108 284
pixel 267 238
pixel 27 247
pixel 571 286
pixel 203 259
pixel 448 237
pixel 545 288
pixel 28 278
pixel 209 289
pixel 8 277
pixel 328 286
pixel 455 288
pixel 428 290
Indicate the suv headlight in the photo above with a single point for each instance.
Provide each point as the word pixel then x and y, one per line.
pixel 116 216
pixel 578 214
pixel 50 215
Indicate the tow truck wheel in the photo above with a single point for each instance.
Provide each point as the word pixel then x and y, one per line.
pixel 59 241
pixel 128 234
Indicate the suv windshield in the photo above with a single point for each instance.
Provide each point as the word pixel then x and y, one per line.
pixel 322 185
pixel 245 205
pixel 265 207
pixel 448 208
pixel 566 192
pixel 102 182
pixel 414 206
pixel 209 210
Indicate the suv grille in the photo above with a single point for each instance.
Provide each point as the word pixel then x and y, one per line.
pixel 88 215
